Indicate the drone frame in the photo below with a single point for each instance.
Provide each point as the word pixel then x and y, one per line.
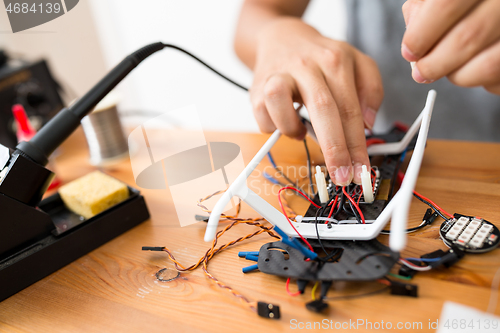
pixel 397 208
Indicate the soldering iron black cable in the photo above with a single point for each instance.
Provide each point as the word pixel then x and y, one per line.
pixel 171 46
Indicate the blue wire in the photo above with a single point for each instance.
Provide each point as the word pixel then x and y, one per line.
pixel 424 259
pixel 403 155
pixel 271 178
pixel 271 160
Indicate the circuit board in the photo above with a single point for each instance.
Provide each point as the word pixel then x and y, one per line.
pixel 471 234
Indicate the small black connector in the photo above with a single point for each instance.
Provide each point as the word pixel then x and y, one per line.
pixel 427 215
pixel 325 286
pixel 434 255
pixel 152 248
pixel 316 306
pixel 268 310
pixel 302 284
pixel 407 271
pixel 452 256
pixel 201 218
pixel 404 289
pixel 447 259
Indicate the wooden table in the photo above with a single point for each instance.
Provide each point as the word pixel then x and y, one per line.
pixel 114 289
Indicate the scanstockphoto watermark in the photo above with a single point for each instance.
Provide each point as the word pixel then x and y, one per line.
pixel 361 324
pixel 269 180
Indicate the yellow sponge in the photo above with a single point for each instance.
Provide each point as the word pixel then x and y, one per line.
pixel 91 194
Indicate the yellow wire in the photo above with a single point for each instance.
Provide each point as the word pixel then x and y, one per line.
pixel 313 291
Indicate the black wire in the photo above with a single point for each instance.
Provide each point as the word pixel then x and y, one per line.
pixel 358 218
pixel 205 64
pixel 336 253
pixel 387 232
pixel 309 173
pixel 320 211
pixel 356 295
pixel 432 206
pixel 341 205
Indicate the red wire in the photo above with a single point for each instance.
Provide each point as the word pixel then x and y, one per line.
pixel 373 141
pixel 333 208
pixel 301 193
pixel 400 180
pixel 354 204
pixel 359 195
pixel 434 204
pixel 284 212
pixel 297 293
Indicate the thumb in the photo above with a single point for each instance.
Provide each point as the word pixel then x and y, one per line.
pixel 410 9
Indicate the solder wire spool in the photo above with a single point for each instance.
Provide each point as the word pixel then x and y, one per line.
pixel 104 133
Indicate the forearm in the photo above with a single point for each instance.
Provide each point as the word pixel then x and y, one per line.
pixel 256 14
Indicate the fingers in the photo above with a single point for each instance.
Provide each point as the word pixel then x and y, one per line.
pixel 338 69
pixel 434 19
pixel 410 9
pixel 369 87
pixel 261 115
pixel 482 70
pixel 327 124
pixel 493 89
pixel 278 97
pixel 470 36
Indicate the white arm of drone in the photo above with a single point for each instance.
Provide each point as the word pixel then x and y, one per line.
pixel 394 148
pixel 239 188
pixel 397 239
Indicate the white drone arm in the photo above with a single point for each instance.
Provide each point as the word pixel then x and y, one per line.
pixel 397 240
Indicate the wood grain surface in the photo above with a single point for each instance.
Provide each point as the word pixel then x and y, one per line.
pixel 114 288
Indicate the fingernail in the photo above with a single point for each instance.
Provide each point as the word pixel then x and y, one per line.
pixel 415 73
pixel 369 117
pixel 357 173
pixel 343 176
pixel 407 54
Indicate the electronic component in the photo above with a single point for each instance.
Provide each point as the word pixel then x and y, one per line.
pixel 407 271
pixel 317 306
pixel 447 259
pixel 366 181
pixel 321 185
pixel 404 289
pixel 268 310
pixel 470 234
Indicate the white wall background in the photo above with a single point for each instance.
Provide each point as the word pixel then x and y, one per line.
pixel 87 41
pixel 170 80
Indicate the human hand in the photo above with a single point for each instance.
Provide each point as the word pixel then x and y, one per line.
pixel 340 87
pixel 459 39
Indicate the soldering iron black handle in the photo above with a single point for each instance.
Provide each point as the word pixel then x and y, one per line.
pixel 59 128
